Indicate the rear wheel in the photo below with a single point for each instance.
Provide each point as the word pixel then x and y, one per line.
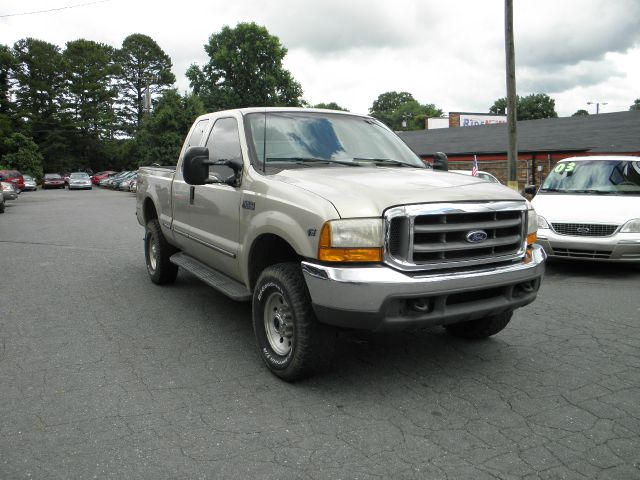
pixel 157 252
pixel 2 207
pixel 481 328
pixel 292 342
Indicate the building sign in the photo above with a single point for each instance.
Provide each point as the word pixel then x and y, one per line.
pixel 473 120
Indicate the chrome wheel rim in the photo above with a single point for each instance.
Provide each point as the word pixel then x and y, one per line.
pixel 278 324
pixel 153 254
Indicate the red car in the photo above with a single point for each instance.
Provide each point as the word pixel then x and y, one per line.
pixel 95 179
pixel 52 180
pixel 13 176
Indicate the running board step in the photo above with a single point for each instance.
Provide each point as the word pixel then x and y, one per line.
pixel 219 281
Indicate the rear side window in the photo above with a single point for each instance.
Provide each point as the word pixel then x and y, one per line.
pixel 198 132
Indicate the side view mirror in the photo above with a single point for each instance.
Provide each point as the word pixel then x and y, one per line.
pixel 440 161
pixel 195 165
pixel 530 189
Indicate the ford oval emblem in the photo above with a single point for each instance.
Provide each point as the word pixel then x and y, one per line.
pixel 582 230
pixel 476 236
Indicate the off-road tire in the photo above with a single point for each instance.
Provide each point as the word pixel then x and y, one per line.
pixel 156 253
pixel 481 328
pixel 304 346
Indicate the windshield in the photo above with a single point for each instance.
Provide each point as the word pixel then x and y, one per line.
pixel 79 175
pixel 295 139
pixel 609 177
pixel 52 176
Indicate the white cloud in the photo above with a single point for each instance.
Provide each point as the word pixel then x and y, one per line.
pixel 447 53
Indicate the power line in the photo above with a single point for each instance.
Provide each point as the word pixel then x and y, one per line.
pixel 53 9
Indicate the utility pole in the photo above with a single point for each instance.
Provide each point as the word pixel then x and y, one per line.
pixel 512 112
pixel 597 104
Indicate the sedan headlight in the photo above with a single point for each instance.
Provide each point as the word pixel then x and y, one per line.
pixel 532 226
pixel 352 240
pixel 632 226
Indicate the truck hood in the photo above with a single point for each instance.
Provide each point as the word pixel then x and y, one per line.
pixel 587 208
pixel 369 191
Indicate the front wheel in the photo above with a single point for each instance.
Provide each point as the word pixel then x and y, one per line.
pixel 292 342
pixel 157 252
pixel 481 328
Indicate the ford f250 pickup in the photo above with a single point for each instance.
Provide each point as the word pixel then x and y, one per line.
pixel 327 220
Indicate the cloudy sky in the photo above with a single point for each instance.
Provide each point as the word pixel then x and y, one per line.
pixel 450 53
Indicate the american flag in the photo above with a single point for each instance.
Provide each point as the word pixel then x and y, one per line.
pixel 474 167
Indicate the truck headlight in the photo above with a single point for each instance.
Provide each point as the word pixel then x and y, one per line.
pixel 532 226
pixel 351 240
pixel 632 226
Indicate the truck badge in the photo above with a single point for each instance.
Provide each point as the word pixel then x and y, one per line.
pixel 476 236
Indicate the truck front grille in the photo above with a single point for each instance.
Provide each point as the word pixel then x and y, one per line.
pixel 438 236
pixel 584 229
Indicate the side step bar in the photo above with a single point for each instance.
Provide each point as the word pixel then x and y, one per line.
pixel 219 281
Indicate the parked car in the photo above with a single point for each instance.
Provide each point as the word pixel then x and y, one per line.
pixel 589 208
pixel 1 201
pixel 107 182
pixel 134 185
pixel 9 191
pixel 29 183
pixel 95 179
pixel 489 177
pixel 65 177
pixel 13 176
pixel 125 182
pixel 52 180
pixel 116 179
pixel 79 181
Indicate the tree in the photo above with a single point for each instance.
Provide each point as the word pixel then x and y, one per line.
pixel 90 93
pixel 400 111
pixel 244 69
pixel 636 105
pixel 163 131
pixel 330 106
pixel 143 67
pixel 24 155
pixel 531 107
pixel 580 113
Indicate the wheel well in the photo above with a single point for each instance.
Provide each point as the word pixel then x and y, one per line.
pixel 268 250
pixel 149 210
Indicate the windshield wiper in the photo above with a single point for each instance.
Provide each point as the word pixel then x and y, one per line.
pixel 383 161
pixel 310 160
pixel 555 190
pixel 591 190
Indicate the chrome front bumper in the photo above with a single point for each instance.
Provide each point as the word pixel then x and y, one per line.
pixel 620 247
pixel 381 298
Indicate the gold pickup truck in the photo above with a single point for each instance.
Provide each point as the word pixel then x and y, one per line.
pixel 327 220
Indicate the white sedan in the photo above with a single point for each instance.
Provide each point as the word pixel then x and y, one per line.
pixel 80 180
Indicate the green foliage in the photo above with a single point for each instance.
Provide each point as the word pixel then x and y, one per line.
pixel 163 131
pixel 23 154
pixel 244 69
pixel 531 107
pixel 90 93
pixel 636 105
pixel 396 109
pixel 580 113
pixel 330 106
pixel 143 64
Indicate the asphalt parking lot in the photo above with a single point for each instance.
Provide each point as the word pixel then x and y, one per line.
pixel 106 375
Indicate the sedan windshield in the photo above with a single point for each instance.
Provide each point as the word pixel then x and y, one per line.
pixel 53 176
pixel 304 139
pixel 605 177
pixel 79 175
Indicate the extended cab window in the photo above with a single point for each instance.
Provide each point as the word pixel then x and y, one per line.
pixel 198 132
pixel 223 144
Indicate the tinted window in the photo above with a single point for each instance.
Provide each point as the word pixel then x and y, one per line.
pixel 198 132
pixel 224 144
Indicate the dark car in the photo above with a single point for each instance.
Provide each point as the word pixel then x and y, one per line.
pixel 9 191
pixel 52 180
pixel 13 176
